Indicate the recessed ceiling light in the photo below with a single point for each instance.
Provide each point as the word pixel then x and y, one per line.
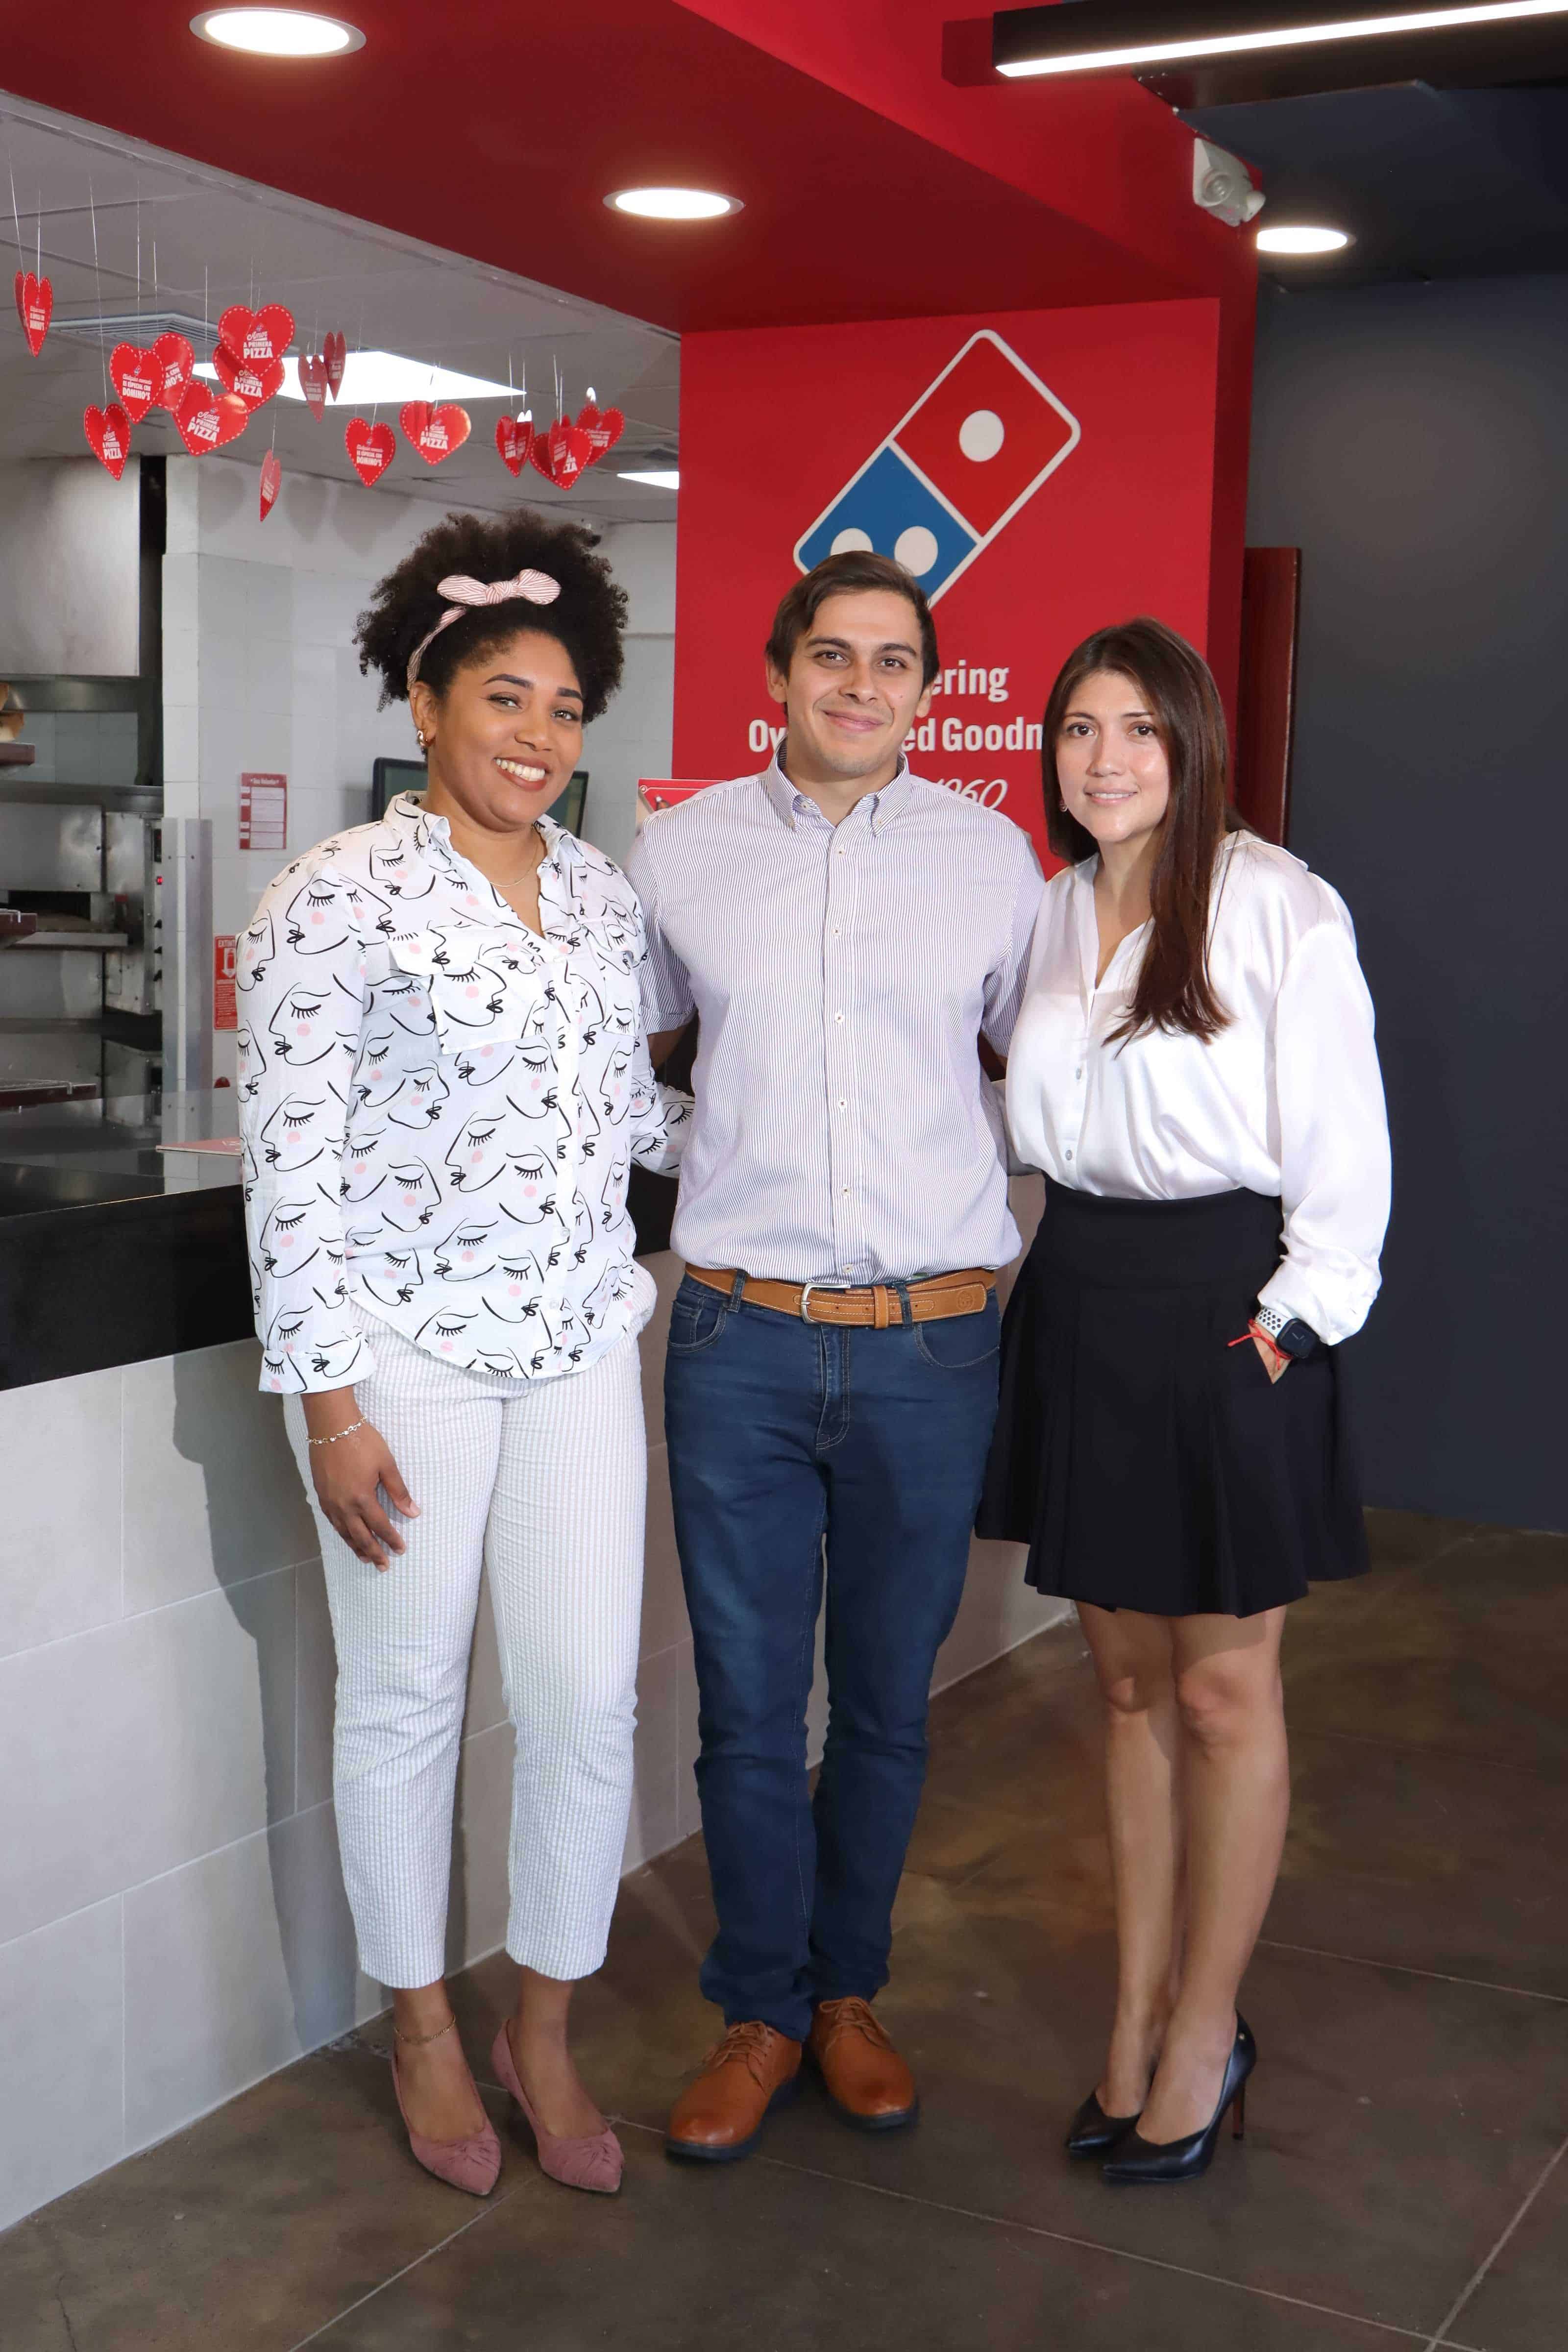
pixel 1035 54
pixel 682 204
pixel 387 376
pixel 1301 240
pixel 278 32
pixel 670 481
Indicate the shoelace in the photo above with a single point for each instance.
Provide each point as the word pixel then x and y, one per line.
pixel 744 2045
pixel 852 2015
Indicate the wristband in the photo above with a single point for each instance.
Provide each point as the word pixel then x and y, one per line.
pixel 336 1434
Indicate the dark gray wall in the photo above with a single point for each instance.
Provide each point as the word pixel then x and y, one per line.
pixel 1413 441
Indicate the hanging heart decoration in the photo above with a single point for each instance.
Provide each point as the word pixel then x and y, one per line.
pixel 603 427
pixel 434 432
pixel 335 352
pixel 271 482
pixel 176 363
pixel 136 377
pixel 370 448
pixel 264 334
pixel 34 308
pixel 206 424
pixel 108 432
pixel 313 383
pixel 252 381
pixel 561 454
pixel 515 439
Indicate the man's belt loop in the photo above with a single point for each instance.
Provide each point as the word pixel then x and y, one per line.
pixel 737 1293
pixel 906 1303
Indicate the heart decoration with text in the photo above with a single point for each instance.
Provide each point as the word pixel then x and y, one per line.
pixel 264 334
pixel 34 308
pixel 370 448
pixel 313 382
pixel 515 439
pixel 434 432
pixel 108 432
pixel 136 377
pixel 603 427
pixel 561 454
pixel 272 481
pixel 252 381
pixel 335 352
pixel 206 424
pixel 176 363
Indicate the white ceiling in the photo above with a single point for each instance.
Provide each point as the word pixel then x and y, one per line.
pixel 217 240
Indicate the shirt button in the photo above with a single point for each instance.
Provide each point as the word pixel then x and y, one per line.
pixel 845 1191
pixel 843 1102
pixel 1078 1072
pixel 1068 1155
pixel 838 1017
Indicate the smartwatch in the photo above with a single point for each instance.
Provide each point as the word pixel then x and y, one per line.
pixel 1288 1333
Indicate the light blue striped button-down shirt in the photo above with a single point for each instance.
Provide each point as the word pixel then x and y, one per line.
pixel 845 1130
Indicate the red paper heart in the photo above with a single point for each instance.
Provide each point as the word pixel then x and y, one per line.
pixel 108 432
pixel 206 424
pixel 370 448
pixel 136 377
pixel 434 432
pixel 176 359
pixel 264 334
pixel 562 453
pixel 603 427
pixel 34 308
pixel 313 383
pixel 272 481
pixel 252 381
pixel 515 439
pixel 334 350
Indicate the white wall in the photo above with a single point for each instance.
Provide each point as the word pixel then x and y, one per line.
pixel 260 671
pixel 68 567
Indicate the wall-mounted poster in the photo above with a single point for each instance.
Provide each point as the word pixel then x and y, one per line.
pixel 263 812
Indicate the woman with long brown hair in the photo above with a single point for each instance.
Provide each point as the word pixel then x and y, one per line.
pixel 1194 1071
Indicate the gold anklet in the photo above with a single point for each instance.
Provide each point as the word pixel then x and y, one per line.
pixel 418 2041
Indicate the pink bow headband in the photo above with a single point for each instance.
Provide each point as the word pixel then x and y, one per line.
pixel 468 595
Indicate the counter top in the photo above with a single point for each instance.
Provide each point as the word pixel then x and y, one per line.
pixel 120 1242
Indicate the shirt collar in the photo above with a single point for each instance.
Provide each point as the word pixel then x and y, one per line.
pixel 793 805
pixel 433 836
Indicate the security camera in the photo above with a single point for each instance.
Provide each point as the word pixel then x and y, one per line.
pixel 1221 184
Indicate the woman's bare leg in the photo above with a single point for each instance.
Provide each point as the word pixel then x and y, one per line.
pixel 1133 1662
pixel 537 2032
pixel 1237 1787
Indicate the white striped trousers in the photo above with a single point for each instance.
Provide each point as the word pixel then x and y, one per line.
pixel 544 1483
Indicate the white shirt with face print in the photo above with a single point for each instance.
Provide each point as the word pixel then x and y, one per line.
pixel 440 1107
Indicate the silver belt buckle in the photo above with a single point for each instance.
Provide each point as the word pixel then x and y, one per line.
pixel 806 1289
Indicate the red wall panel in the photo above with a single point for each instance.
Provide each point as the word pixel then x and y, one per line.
pixel 774 424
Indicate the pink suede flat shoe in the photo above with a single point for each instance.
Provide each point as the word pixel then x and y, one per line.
pixel 595 2163
pixel 471 2164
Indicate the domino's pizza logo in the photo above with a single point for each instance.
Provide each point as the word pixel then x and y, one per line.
pixel 950 476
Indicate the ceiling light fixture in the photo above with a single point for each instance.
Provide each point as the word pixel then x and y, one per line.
pixel 1301 240
pixel 372 376
pixel 1035 41
pixel 277 32
pixel 666 481
pixel 680 204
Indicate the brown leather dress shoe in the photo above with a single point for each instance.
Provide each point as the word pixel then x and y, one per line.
pixel 863 2075
pixel 719 2118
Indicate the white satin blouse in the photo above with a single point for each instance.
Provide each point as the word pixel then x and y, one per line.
pixel 1286 1101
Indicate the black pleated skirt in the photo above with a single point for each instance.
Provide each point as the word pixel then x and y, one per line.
pixel 1147 1464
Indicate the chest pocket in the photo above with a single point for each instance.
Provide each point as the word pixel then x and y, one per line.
pixel 484 985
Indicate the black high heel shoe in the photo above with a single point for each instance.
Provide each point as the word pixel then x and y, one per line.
pixel 1183 2160
pixel 1094 2133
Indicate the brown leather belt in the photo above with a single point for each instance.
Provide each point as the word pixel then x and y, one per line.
pixel 876 1307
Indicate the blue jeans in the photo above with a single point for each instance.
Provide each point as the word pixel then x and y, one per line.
pixel 793 1446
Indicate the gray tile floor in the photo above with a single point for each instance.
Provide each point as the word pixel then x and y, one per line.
pixel 1405 2179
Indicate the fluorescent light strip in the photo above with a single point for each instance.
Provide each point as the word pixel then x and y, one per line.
pixel 1228 44
pixel 657 481
pixel 387 377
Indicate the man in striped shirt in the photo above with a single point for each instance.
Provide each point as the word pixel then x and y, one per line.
pixel 845 933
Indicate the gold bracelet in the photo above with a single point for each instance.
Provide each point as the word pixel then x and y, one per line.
pixel 336 1434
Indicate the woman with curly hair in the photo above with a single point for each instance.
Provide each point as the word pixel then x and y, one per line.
pixel 444 1080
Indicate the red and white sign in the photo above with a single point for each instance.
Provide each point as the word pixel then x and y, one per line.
pixel 1041 473
pixel 226 1006
pixel 263 812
